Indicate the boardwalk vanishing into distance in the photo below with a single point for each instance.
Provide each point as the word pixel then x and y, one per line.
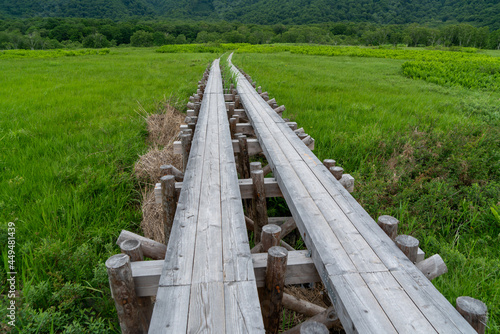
pixel 208 280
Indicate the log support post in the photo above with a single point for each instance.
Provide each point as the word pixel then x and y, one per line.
pixel 474 311
pixel 432 267
pixel 186 148
pixel 130 315
pixel 243 157
pixel 270 236
pixel 328 318
pixel 408 245
pixel 168 195
pixel 259 206
pixel 389 225
pixel 272 302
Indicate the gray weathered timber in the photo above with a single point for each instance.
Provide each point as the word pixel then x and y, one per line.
pixel 150 248
pixel 207 282
pixel 345 242
pixel 300 269
pixel 272 299
pixel 474 311
pixel 432 267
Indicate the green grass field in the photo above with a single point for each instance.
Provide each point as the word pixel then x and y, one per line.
pixel 69 137
pixel 70 134
pixel 426 154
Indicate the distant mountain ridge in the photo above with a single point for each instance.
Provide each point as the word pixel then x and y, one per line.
pixel 478 12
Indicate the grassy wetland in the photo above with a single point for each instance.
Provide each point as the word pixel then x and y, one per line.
pixel 70 133
pixel 69 137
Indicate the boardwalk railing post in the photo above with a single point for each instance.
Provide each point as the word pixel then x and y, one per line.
pixel 474 311
pixel 132 320
pixel 272 303
pixel 168 203
pixel 243 158
pixel 270 236
pixel 259 206
pixel 186 148
pixel 389 225
pixel 408 245
pixel 133 249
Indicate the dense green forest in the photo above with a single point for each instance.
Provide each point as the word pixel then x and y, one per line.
pixel 478 12
pixel 50 33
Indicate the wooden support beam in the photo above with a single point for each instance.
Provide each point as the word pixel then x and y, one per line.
pixel 287 227
pixel 253 147
pixel 432 267
pixel 474 311
pixel 328 318
pixel 228 97
pixel 245 128
pixel 171 170
pixel 301 306
pixel 267 169
pixel 272 297
pixel 150 248
pixel 348 182
pixel 246 188
pixel 300 270
pixel 279 110
pixel 132 319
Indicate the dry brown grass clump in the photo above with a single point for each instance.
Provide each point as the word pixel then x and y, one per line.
pixel 163 129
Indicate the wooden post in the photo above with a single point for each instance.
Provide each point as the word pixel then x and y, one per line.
pixel 270 236
pixel 168 203
pixel 259 90
pixel 237 102
pixel 133 249
pixel 131 319
pixel 232 126
pixel 243 158
pixel 408 245
pixel 255 165
pixel 474 311
pixel 328 318
pixel 337 172
pixel 197 107
pixel 267 169
pixel 273 291
pixel 313 327
pixel 432 267
pixel 288 226
pixel 192 126
pixel 389 225
pixel 280 110
pixel 186 148
pixel 329 163
pixel 259 206
pixel 292 125
pixel 150 248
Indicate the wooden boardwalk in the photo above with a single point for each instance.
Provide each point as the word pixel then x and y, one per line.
pixel 372 284
pixel 208 282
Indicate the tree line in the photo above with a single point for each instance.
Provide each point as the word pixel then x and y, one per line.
pixel 50 33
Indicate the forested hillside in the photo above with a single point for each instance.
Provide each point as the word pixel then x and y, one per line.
pixel 478 12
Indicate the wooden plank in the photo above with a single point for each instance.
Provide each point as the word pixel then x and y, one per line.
pixel 169 319
pixel 243 313
pixel 206 308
